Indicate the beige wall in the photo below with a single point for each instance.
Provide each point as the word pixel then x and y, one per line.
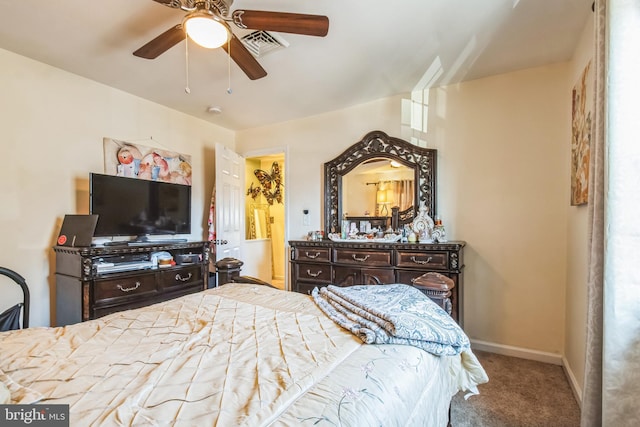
pixel 502 187
pixel 577 249
pixel 52 125
pixel 312 141
pixel 503 182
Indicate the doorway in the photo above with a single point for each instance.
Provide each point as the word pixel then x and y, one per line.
pixel 265 216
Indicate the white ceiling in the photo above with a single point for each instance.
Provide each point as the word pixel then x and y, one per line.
pixel 374 49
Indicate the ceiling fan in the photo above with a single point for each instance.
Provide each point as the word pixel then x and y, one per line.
pixel 207 23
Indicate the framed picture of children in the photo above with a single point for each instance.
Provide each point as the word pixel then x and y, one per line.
pixel 139 161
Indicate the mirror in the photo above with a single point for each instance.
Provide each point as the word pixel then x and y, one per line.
pixel 376 149
pixel 373 187
pixel 259 226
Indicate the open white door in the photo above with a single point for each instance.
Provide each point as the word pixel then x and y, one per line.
pixel 229 203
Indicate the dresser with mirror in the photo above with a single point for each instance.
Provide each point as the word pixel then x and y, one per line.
pixel 374 260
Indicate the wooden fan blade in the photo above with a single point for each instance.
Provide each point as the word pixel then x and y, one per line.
pixel 295 23
pixel 170 3
pixel 162 43
pixel 245 60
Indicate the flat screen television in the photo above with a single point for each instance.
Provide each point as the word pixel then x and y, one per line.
pixel 138 207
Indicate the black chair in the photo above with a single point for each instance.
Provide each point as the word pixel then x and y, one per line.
pixel 10 318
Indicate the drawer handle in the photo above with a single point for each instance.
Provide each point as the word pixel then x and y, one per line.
pixel 183 279
pixel 308 255
pixel 417 261
pixel 123 289
pixel 309 273
pixel 355 258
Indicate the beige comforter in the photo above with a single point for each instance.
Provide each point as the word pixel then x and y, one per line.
pixel 237 355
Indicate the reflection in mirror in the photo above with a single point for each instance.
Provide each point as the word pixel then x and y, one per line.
pixel 259 224
pixel 375 186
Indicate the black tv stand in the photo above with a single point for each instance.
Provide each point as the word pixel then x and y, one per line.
pixel 84 292
pixel 146 240
pixel 117 243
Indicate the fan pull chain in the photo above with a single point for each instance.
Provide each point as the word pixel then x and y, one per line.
pixel 229 91
pixel 187 89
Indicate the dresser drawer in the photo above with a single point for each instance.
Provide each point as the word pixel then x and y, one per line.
pixel 313 272
pixel 312 254
pixel 363 257
pixel 113 290
pixel 350 276
pixel 429 260
pixel 181 277
pixel 375 263
pixel 307 288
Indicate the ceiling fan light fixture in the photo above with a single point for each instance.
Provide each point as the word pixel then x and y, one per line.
pixel 205 29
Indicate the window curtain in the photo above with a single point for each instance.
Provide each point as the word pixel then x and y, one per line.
pixel 612 365
pixel 403 193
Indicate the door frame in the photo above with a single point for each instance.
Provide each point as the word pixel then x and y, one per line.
pixel 284 150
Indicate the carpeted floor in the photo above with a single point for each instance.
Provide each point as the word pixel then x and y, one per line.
pixel 520 393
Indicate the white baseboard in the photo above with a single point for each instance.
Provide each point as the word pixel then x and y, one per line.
pixel 523 353
pixel 575 388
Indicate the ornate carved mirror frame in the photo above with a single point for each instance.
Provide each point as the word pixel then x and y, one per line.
pixel 377 144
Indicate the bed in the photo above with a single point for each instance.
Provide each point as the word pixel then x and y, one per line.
pixel 237 355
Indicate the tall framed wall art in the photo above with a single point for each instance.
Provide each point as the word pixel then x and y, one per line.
pixel 581 121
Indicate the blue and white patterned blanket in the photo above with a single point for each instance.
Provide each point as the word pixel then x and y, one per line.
pixel 392 314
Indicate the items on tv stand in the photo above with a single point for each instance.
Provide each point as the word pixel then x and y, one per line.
pixel 141 241
pixel 92 282
pixel 114 243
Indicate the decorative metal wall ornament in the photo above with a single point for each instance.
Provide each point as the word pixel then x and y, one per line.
pixel 270 184
pixel 253 191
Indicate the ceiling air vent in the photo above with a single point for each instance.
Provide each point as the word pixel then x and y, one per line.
pixel 261 42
